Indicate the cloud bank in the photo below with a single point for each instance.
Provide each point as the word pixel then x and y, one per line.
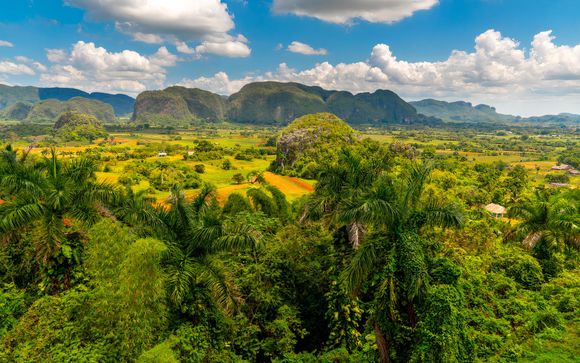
pixel 498 71
pixel 345 11
pixel 206 22
pixel 95 68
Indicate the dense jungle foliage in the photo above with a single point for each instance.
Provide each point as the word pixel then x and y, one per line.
pixel 390 258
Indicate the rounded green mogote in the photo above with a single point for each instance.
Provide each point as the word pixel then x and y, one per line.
pixel 309 141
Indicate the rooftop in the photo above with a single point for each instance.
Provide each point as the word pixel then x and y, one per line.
pixel 495 208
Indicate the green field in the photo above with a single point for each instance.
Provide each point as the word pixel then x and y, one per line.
pixel 443 142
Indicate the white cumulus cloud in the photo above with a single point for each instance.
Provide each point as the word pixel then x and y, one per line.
pixel 5 43
pixel 302 48
pixel 228 47
pixel 95 68
pixel 11 68
pixel 205 22
pixel 345 11
pixel 498 71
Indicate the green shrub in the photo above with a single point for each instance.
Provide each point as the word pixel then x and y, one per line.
pixel 523 268
pixel 199 168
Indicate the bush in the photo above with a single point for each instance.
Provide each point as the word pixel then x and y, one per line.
pixel 238 178
pixel 12 305
pixel 557 178
pixel 236 203
pixel 199 168
pixel 523 268
pixel 227 164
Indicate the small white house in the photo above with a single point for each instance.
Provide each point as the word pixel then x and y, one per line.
pixel 190 153
pixel 162 154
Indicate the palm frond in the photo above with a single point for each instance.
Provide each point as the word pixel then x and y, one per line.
pixel 180 277
pixel 361 266
pixel 237 237
pixel 18 214
pixel 442 214
pixel 413 188
pixel 79 170
pixel 212 274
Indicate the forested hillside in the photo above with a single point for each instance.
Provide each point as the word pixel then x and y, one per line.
pixel 272 103
pixel 465 112
pixel 461 112
pixel 12 95
pixel 178 105
pixel 50 110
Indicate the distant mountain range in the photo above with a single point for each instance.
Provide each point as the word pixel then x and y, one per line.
pixel 52 109
pixel 9 95
pixel 272 103
pixel 256 103
pixel 465 112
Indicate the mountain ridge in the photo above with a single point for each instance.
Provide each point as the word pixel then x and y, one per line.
pixel 273 103
pixel 466 112
pixel 9 95
pixel 267 102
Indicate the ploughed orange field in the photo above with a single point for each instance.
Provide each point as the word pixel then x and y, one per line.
pixel 292 187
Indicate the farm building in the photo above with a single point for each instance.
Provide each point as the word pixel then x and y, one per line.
pixel 162 154
pixel 573 172
pixel 562 167
pixel 496 210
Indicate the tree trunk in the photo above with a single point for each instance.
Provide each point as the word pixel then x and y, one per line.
pixel 382 344
pixel 412 314
pixel 356 233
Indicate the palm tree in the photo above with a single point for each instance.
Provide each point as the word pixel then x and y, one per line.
pixel 44 197
pixel 542 221
pixel 394 257
pixel 271 201
pixel 343 195
pixel 137 210
pixel 195 234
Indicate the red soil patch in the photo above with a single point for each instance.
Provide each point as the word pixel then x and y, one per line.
pixel 292 187
pixel 302 183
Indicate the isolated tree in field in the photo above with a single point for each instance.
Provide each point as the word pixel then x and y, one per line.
pixel 238 178
pixel 227 164
pixel 256 177
pixel 199 168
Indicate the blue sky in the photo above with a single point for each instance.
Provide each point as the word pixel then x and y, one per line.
pixel 477 50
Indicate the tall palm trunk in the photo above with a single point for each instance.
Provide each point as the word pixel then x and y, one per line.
pixel 412 314
pixel 356 232
pixel 382 344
